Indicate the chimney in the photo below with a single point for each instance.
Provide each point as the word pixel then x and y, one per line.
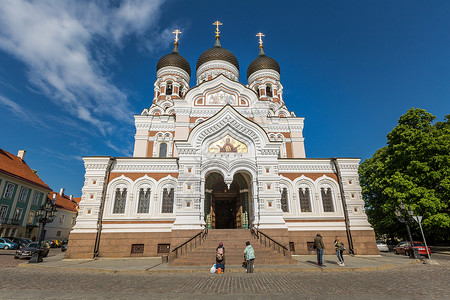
pixel 21 154
pixel 61 191
pixel 71 197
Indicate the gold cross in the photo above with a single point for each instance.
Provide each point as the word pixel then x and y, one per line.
pixel 176 35
pixel 217 23
pixel 260 38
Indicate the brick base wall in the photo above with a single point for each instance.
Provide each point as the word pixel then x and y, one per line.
pixel 81 246
pixel 363 241
pixel 119 244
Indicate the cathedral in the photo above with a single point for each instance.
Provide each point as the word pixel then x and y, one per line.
pixel 217 155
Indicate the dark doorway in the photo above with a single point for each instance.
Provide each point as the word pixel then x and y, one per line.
pixel 226 208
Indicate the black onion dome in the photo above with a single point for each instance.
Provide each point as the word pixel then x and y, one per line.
pixel 174 59
pixel 262 62
pixel 217 53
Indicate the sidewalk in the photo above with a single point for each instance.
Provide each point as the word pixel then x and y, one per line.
pixel 306 263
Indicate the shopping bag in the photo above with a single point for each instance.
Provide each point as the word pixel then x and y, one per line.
pixel 213 269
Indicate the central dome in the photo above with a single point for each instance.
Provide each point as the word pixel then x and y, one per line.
pixel 217 53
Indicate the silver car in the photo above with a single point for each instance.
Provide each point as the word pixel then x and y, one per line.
pixel 382 247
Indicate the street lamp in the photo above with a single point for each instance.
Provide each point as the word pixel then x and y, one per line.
pixel 45 214
pixel 404 215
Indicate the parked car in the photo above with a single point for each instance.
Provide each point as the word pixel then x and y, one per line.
pixel 51 243
pixel 64 245
pixel 382 247
pixel 19 241
pixel 27 251
pixel 405 248
pixel 8 244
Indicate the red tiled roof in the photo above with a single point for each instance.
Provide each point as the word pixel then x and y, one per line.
pixel 16 167
pixel 64 202
pixel 77 200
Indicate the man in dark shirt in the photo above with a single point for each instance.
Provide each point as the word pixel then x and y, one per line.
pixel 318 243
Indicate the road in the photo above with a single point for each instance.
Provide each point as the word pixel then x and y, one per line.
pixel 414 281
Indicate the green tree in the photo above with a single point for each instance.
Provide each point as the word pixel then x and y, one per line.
pixel 414 167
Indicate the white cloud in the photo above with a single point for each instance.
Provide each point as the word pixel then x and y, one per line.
pixel 57 40
pixel 23 114
pixel 13 107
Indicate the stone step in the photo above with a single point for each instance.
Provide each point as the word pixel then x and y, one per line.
pixel 234 242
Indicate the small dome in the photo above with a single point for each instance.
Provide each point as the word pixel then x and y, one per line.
pixel 262 62
pixel 217 53
pixel 174 59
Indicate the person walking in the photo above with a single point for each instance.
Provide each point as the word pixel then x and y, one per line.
pixel 220 257
pixel 318 244
pixel 249 255
pixel 339 251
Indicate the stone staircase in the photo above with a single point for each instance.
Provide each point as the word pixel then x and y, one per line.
pixel 234 242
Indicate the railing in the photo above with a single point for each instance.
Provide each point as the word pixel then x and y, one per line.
pixel 269 242
pixel 191 243
pixel 9 221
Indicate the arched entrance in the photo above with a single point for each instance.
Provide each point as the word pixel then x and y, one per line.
pixel 227 208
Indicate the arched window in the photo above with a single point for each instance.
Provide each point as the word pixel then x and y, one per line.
pixel 327 199
pixel 120 199
pixel 269 90
pixel 180 90
pixel 144 201
pixel 169 88
pixel 305 199
pixel 167 201
pixel 284 200
pixel 162 150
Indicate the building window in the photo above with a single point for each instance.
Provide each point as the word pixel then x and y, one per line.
pixel 18 214
pixel 327 200
pixel 162 150
pixel 144 201
pixel 9 191
pixel 167 201
pixel 305 200
pixel 284 200
pixel 180 90
pixel 169 88
pixel 58 233
pixel 269 90
pixel 3 212
pixel 31 217
pixel 23 194
pixel 36 198
pixel 120 198
pixel 61 219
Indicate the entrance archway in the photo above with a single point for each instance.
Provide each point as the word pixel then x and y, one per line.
pixel 227 208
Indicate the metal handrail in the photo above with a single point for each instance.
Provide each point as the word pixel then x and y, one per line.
pixel 272 243
pixel 201 236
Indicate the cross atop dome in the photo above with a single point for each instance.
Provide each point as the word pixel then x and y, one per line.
pixel 217 23
pixel 260 35
pixel 176 31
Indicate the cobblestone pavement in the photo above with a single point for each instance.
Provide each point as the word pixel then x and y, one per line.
pixel 415 281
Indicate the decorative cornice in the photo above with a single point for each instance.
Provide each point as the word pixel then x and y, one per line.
pixel 298 168
pixel 150 167
pixel 218 64
pixel 264 73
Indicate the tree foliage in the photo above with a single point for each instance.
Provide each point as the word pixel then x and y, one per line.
pixel 414 167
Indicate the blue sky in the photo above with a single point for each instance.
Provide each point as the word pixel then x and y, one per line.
pixel 73 73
